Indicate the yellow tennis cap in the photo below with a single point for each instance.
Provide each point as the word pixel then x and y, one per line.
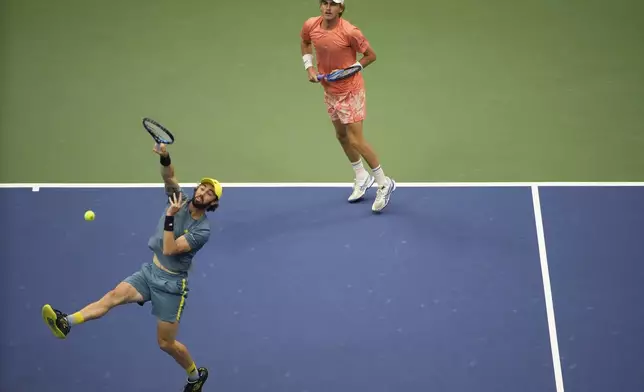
pixel 215 185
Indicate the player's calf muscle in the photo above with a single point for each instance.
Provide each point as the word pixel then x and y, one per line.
pixel 355 138
pixel 359 143
pixel 166 333
pixel 348 148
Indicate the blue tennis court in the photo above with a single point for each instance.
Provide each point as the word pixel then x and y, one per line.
pixel 299 291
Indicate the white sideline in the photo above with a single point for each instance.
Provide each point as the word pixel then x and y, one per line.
pixel 547 290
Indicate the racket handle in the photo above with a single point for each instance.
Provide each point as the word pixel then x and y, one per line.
pixel 320 77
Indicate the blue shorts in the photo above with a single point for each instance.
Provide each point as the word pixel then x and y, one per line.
pixel 166 291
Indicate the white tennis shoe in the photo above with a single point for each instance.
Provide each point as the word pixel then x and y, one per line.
pixel 383 195
pixel 360 188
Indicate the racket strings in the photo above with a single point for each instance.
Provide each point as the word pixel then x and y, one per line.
pixel 161 133
pixel 157 130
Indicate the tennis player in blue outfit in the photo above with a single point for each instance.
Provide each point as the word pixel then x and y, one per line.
pixel 181 232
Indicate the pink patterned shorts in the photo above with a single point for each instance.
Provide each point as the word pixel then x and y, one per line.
pixel 348 108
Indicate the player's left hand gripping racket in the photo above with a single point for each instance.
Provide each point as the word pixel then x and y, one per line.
pixel 341 73
pixel 159 133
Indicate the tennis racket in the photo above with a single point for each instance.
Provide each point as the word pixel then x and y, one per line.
pixel 340 73
pixel 159 133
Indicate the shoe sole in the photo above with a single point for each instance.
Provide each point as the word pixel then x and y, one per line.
pixel 49 316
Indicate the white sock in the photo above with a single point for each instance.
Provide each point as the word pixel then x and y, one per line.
pixel 360 171
pixel 193 373
pixel 379 174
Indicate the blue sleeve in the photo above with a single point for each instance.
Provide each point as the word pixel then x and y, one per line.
pixel 198 237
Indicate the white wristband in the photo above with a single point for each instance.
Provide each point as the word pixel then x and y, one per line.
pixel 308 61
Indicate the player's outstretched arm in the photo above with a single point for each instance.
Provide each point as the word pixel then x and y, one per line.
pixel 167 170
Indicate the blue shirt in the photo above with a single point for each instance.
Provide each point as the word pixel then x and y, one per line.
pixel 197 233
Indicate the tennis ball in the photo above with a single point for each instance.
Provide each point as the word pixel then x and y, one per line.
pixel 89 215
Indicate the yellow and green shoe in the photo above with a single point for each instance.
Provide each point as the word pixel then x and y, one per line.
pixel 56 321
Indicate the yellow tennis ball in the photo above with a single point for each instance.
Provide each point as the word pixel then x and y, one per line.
pixel 89 215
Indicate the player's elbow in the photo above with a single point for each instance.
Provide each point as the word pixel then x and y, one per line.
pixel 369 55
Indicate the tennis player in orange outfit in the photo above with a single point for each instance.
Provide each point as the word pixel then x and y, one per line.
pixel 337 43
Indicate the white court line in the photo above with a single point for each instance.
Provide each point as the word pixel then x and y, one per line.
pixel 545 274
pixel 36 186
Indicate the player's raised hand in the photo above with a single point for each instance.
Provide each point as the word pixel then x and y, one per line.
pixel 160 149
pixel 176 202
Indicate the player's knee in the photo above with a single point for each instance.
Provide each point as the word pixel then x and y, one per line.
pixel 116 297
pixel 342 137
pixel 165 344
pixel 354 141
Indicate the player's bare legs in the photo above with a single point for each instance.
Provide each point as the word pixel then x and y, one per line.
pixel 346 143
pixel 386 186
pixel 361 146
pixel 166 337
pixel 124 293
pixel 60 323
pixel 363 180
